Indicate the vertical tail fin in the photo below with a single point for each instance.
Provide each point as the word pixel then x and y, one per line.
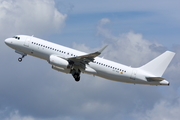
pixel 158 65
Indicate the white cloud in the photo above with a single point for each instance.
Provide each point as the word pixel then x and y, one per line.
pixel 29 17
pixel 129 48
pixel 15 116
pixel 104 21
pixel 95 107
pixel 82 47
pixel 163 110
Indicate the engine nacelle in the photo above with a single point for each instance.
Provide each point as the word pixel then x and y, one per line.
pixel 57 61
pixel 61 69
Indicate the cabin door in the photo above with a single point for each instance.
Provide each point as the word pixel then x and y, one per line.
pixel 27 41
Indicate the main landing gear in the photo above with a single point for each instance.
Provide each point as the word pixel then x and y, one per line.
pixel 76 77
pixel 76 74
pixel 74 70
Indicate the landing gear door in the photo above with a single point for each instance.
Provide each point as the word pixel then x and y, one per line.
pixel 27 41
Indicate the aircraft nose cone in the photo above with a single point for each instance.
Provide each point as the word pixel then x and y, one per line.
pixel 7 41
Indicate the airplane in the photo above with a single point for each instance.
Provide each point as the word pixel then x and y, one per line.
pixel 74 62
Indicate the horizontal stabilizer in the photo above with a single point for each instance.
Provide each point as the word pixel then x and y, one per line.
pixel 154 78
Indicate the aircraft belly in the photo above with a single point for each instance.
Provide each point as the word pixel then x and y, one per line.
pixel 112 76
pixel 119 77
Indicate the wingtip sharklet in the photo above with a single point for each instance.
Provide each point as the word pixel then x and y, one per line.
pixel 100 51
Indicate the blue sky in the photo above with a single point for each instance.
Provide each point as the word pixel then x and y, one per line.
pixel 157 21
pixel 151 25
pixel 135 32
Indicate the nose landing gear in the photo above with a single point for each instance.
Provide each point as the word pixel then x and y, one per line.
pixel 20 58
pixel 21 53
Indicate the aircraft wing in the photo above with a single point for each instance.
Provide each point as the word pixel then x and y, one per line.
pixel 86 58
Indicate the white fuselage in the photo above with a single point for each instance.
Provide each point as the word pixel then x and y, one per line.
pixel 104 68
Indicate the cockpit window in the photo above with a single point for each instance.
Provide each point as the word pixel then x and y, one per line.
pixel 16 37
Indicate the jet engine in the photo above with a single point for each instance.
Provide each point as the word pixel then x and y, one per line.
pixel 57 61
